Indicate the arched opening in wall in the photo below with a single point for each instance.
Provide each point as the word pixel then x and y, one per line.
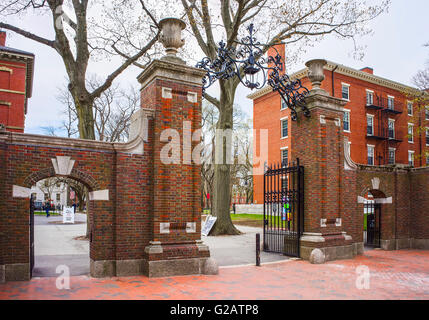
pixel 59 216
pixel 372 219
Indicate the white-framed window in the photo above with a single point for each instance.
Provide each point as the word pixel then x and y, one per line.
pixel 391 129
pixel 284 127
pixel 346 120
pixel 345 91
pixel 285 156
pixel 411 133
pixel 392 155
pixel 411 158
pixel 371 152
pixel 427 136
pixel 369 97
pixel 283 105
pixel 370 124
pixel 410 108
pixel 391 102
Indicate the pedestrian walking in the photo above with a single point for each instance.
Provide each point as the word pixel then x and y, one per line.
pixel 47 207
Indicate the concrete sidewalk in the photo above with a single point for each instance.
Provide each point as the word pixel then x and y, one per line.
pixel 54 245
pixel 240 249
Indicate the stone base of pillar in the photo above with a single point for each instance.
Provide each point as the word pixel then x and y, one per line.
pixel 16 272
pixel 179 267
pixel 102 268
pixel 2 274
pixel 133 267
pixel 334 246
pixel 420 244
pixel 404 243
pixel 172 259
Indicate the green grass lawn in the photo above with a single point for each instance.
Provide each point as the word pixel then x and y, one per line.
pixel 258 217
pixel 43 213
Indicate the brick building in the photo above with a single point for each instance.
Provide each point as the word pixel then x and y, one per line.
pixel 382 125
pixel 16 83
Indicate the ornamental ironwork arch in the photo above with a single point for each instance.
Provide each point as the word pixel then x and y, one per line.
pixel 246 62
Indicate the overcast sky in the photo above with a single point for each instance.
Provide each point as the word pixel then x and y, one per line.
pixel 395 51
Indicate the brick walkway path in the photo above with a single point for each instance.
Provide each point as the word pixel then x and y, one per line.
pixel 400 274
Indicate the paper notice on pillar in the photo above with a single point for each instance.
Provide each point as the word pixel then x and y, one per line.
pixel 208 225
pixel 68 215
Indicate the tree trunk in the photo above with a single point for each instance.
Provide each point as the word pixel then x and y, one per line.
pixel 222 171
pixel 86 119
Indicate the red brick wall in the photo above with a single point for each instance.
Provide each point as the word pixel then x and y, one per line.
pixel 13 115
pixel 419 217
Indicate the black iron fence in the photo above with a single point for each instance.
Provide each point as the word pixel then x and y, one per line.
pixel 372 224
pixel 283 208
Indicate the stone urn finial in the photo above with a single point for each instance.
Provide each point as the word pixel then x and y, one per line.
pixel 171 37
pixel 315 72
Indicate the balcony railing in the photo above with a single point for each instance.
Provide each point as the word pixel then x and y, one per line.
pixel 384 105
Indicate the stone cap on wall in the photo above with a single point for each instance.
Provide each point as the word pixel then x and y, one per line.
pixel 167 70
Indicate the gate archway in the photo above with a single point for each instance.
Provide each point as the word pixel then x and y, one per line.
pixel 47 257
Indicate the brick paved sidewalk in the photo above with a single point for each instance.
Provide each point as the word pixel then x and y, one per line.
pixel 400 274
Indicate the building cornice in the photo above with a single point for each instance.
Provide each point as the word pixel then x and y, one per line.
pixel 341 69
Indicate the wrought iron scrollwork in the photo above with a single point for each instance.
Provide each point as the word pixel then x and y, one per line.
pixel 246 63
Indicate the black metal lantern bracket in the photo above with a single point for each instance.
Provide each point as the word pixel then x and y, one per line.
pixel 246 63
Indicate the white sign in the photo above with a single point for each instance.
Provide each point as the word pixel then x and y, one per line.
pixel 208 225
pixel 68 215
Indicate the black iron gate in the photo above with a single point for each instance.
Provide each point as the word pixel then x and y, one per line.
pixel 31 235
pixel 283 208
pixel 372 216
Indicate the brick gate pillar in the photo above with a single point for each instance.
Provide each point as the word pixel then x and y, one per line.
pixel 173 91
pixel 318 142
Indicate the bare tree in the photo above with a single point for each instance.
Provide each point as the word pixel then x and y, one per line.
pixel 112 111
pixel 420 100
pixel 85 30
pixel 288 21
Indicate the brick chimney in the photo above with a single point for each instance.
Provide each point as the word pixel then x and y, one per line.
pixel 368 70
pixel 3 38
pixel 281 49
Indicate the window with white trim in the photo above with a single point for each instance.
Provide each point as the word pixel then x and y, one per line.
pixel 391 102
pixel 427 136
pixel 411 158
pixel 345 91
pixel 391 129
pixel 285 157
pixel 371 150
pixel 346 121
pixel 283 105
pixel 392 155
pixel 410 108
pixel 410 133
pixel 284 125
pixel 369 97
pixel 369 124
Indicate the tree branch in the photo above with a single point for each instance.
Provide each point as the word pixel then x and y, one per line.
pixel 29 35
